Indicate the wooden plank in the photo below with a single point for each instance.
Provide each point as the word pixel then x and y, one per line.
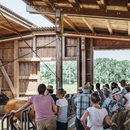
pixel 128 28
pixel 16 69
pixel 7 78
pixel 34 46
pixel 75 3
pixel 38 73
pixel 109 27
pixel 83 48
pixel 59 42
pixel 79 63
pixel 102 4
pixel 16 19
pixel 95 13
pixel 70 23
pixel 64 48
pixel 91 61
pixel 29 77
pixel 88 24
pixel 8 28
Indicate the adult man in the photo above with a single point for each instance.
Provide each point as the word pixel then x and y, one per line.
pixel 83 102
pixel 49 91
pixel 123 84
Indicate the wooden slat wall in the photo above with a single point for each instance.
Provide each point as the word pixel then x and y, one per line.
pixel 71 46
pixel 6 55
pixel 47 51
pixel 29 71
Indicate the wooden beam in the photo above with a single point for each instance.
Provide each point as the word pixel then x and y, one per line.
pixel 109 27
pixel 59 43
pixel 88 24
pixel 97 36
pixel 75 3
pixel 38 73
pixel 7 28
pixel 16 69
pixel 7 78
pixel 45 59
pixel 70 23
pixel 83 48
pixel 128 5
pixel 16 20
pixel 102 4
pixel 34 46
pixel 129 28
pixel 91 60
pixel 79 78
pixel 84 12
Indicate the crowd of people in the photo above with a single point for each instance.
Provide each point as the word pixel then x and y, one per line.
pixel 96 107
pixel 93 108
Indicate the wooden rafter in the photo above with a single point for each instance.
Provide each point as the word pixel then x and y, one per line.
pixel 102 4
pixel 128 4
pixel 88 24
pixel 75 3
pixel 7 28
pixel 49 18
pixel 109 27
pixel 70 23
pixel 129 28
pixel 93 13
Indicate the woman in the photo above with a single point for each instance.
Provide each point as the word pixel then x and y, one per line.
pixel 95 115
pixel 62 108
pixel 43 105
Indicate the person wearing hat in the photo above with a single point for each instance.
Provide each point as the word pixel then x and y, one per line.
pixel 49 91
pixel 80 90
pixel 82 102
pixel 115 104
pixel 123 84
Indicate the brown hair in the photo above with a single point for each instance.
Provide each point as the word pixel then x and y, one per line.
pixel 95 98
pixel 61 91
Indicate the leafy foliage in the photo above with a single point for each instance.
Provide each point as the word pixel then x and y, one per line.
pixel 108 70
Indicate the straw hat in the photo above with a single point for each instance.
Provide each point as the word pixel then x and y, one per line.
pixel 50 87
pixel 115 91
pixel 86 87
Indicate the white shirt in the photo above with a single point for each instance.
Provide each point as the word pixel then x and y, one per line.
pixel 128 99
pixel 95 120
pixel 64 108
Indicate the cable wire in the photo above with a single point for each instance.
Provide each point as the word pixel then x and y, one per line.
pixel 28 44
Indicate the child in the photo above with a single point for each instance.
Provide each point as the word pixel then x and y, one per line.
pixel 62 108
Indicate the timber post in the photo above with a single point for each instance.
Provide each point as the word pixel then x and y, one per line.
pixel 59 35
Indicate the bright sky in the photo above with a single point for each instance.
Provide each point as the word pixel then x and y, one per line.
pixel 119 55
pixel 19 7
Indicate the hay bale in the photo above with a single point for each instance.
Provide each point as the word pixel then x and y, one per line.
pixel 120 118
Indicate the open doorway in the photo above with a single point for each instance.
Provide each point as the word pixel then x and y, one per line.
pixel 69 77
pixel 111 65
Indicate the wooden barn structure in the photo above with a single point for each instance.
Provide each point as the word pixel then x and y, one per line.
pixel 81 26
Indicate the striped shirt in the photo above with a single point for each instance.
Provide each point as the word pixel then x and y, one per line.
pixel 83 102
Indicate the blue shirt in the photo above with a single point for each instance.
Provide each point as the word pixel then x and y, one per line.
pixel 106 102
pixel 83 102
pixel 123 91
